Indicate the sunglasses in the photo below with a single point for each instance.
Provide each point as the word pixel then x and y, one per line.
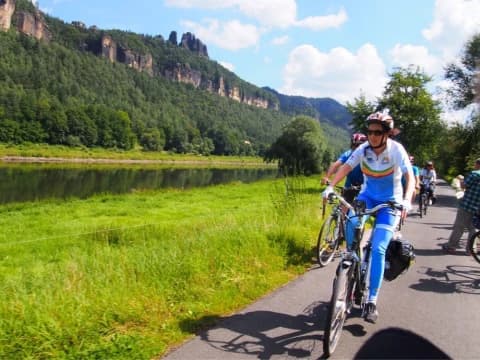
pixel 375 132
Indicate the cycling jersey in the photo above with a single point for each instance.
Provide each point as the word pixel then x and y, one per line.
pixel 382 173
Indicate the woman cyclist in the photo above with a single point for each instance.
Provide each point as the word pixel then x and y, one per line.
pixel 383 162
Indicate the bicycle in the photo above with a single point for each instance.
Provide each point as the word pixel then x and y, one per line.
pixel 332 232
pixel 350 285
pixel 423 200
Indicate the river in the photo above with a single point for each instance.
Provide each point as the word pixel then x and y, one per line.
pixel 34 182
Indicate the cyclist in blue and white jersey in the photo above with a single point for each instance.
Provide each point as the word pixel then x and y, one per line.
pixel 355 177
pixel 383 162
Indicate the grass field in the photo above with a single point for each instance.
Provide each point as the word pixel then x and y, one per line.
pixel 126 277
pixel 44 152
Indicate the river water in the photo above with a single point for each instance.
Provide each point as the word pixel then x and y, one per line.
pixel 33 182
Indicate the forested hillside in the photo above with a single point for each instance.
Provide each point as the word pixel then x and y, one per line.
pixel 70 88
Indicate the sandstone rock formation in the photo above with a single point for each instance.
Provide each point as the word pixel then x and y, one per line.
pixel 7 7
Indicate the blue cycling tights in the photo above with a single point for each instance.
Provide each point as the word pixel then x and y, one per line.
pixel 385 225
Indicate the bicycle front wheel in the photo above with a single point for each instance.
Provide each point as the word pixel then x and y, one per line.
pixel 337 311
pixel 328 240
pixel 420 204
pixel 474 246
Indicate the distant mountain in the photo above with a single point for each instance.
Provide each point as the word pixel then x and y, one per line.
pixel 323 109
pixel 68 84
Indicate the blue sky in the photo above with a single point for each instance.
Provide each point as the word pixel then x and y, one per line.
pixel 313 48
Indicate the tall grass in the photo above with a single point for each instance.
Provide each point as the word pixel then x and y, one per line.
pixel 125 277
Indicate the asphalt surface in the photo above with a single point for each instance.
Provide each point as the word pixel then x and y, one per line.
pixel 432 311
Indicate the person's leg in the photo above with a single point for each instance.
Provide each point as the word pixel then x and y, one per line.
pixel 459 227
pixel 382 234
pixel 471 229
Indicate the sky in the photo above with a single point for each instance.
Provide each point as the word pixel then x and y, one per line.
pixel 313 48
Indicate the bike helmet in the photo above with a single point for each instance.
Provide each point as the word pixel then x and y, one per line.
pixel 382 118
pixel 357 139
pixel 429 163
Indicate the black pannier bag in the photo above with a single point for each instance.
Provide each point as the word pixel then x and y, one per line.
pixel 398 258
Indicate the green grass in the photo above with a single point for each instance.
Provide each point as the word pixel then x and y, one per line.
pixel 67 152
pixel 125 277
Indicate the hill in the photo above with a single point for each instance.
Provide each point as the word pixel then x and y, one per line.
pixel 67 84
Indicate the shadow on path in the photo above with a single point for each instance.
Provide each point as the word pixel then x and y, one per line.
pixel 453 279
pixel 267 333
pixel 396 343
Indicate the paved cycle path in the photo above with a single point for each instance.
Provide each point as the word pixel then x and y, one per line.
pixel 432 311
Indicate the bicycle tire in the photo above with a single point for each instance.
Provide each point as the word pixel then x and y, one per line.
pixel 474 246
pixel 328 241
pixel 337 310
pixel 420 205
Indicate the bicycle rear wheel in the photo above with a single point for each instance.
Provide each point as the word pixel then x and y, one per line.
pixel 420 204
pixel 337 310
pixel 425 204
pixel 474 246
pixel 328 241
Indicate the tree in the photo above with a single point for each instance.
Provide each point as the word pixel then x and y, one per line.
pixel 360 110
pixel 462 139
pixel 300 147
pixel 416 114
pixel 464 76
pixel 152 140
pixel 413 109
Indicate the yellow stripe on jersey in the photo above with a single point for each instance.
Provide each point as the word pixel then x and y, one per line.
pixel 367 170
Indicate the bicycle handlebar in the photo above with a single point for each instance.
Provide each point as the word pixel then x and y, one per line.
pixel 390 204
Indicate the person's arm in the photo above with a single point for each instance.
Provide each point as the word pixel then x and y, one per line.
pixel 332 170
pixel 340 174
pixel 417 182
pixel 409 185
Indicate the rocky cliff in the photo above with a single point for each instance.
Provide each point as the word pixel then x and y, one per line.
pixel 112 51
pixel 33 24
pixel 7 7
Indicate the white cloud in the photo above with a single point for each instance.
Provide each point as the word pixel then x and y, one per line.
pixel 323 22
pixel 406 55
pixel 277 13
pixel 338 74
pixel 230 35
pixel 281 40
pixel 455 22
pixel 227 65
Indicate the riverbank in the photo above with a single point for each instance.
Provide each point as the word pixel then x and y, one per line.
pixel 129 276
pixel 42 153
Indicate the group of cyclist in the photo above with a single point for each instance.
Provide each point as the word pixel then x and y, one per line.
pixel 379 170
